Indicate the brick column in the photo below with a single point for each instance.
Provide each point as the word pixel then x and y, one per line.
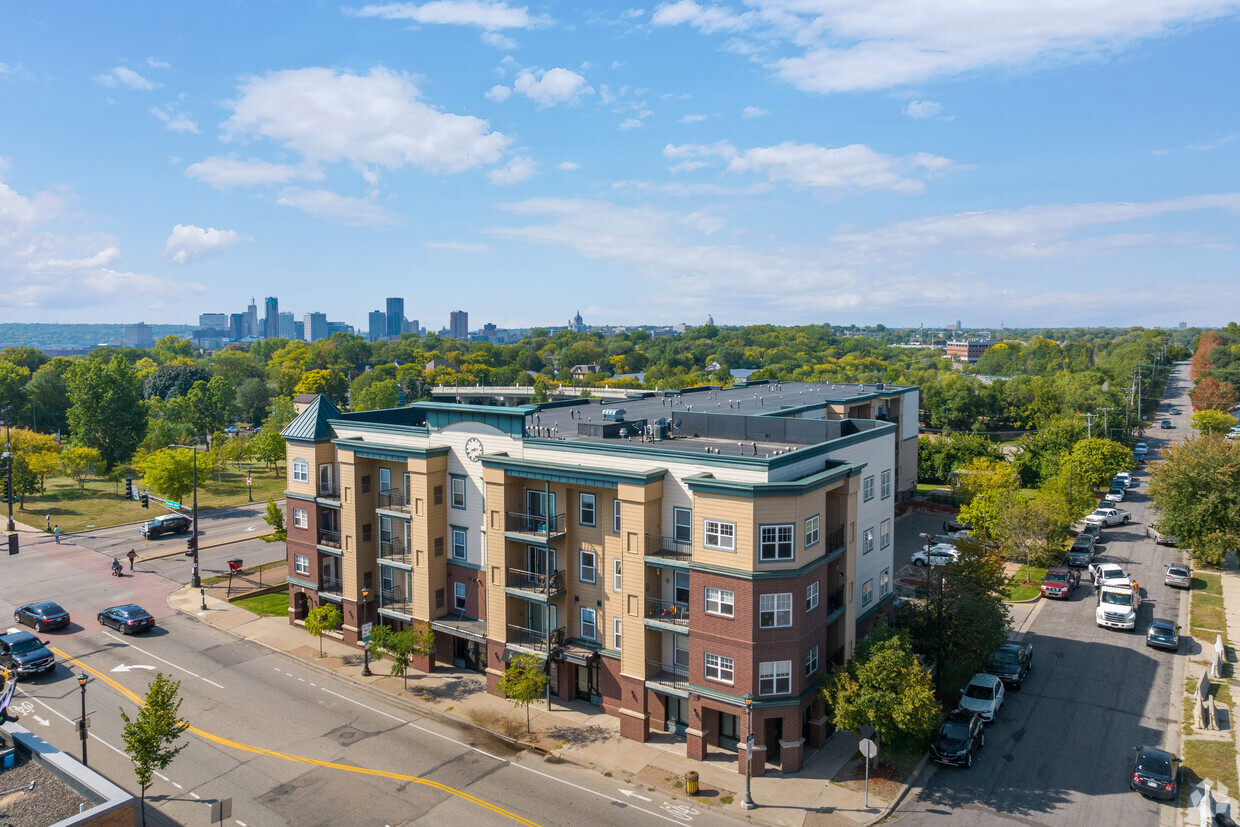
pixel 634 718
pixel 568 681
pixel 791 755
pixel 658 711
pixel 423 663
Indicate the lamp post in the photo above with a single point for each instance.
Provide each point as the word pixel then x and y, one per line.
pixel 366 673
pixel 747 801
pixel 195 578
pixel 81 679
pixel 8 471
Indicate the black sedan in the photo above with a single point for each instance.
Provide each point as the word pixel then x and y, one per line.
pixel 960 735
pixel 42 616
pixel 1163 634
pixel 1156 773
pixel 1011 662
pixel 127 619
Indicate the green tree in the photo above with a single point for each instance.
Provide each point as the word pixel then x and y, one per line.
pixel 151 738
pixel 1099 460
pixel 321 620
pixel 1196 489
pixel 402 647
pixel 269 448
pixel 1030 530
pixel 107 412
pixel 331 383
pixel 1211 422
pixel 43 464
pixel 171 471
pixel 274 517
pixel 523 682
pixel 13 379
pixel 282 413
pixel 49 399
pixel 377 396
pixel 253 398
pixel 170 347
pixel 884 687
pixel 986 483
pixel 80 463
pixel 25 480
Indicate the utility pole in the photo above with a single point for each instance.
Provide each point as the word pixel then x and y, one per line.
pixel 1106 432
pixel 1089 424
pixel 8 475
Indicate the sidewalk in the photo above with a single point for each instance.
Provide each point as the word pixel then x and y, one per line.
pixel 577 731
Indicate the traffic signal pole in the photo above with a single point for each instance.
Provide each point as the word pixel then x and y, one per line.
pixel 8 476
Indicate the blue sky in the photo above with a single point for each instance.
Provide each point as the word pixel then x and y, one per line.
pixel 1025 162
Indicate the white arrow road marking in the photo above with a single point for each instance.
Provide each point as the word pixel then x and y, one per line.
pixel 42 721
pixel 124 668
pixel 161 660
pixel 632 794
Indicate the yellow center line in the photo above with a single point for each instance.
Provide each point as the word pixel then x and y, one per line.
pixel 301 759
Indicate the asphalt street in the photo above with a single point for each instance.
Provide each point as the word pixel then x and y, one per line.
pixel 1060 751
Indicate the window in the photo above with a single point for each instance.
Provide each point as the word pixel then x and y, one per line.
pixel 366 532
pixel 867 541
pixel 300 519
pixel 682 525
pixel 437 495
pixel 589 624
pixel 439 547
pixel 775 610
pixel 719 668
pixel 459 550
pixel 438 598
pixel 867 488
pixel 458 492
pixel 867 592
pixel 680 587
pixel 301 471
pixel 385 480
pixel 884 582
pixel 680 651
pixel 615 516
pixel 585 510
pixel 366 484
pixel 720 602
pixel 408 481
pixel 885 483
pixel 301 565
pixel 458 596
pixel 811 531
pixel 617 630
pixel 775 542
pixel 617 582
pixel 585 569
pixel 811 596
pixel 884 534
pixel 811 661
pixel 719 535
pixel 775 677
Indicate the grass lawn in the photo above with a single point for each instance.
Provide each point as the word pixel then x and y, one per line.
pixel 1208 583
pixel 1215 760
pixel 1207 612
pixel 266 605
pixel 103 503
pixel 927 487
pixel 248 571
pixel 1018 589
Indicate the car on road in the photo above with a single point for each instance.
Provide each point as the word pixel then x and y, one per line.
pixel 1116 494
pixel 955 526
pixel 1092 530
pixel 1159 537
pixel 939 555
pixel 1109 574
pixel 165 524
pixel 960 735
pixel 42 616
pixel 983 695
pixel 1156 773
pixel 1078 558
pixel 1011 662
pixel 1125 477
pixel 127 619
pixel 1140 448
pixel 1108 517
pixel 1060 583
pixel 25 654
pixel 1179 575
pixel 1175 411
pixel 1166 425
pixel 1163 634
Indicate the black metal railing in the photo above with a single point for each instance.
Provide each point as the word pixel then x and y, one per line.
pixel 667 674
pixel 331 585
pixel 396 552
pixel 393 499
pixel 523 523
pixel 329 537
pixel 534 638
pixel 835 538
pixel 667 611
pixel 669 548
pixel 536 582
pixel 835 600
pixel 396 601
pixel 329 490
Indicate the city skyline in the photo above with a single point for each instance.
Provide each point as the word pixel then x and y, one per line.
pixel 857 164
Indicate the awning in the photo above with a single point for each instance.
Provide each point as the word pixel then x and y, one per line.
pixel 461 626
pixel 580 655
pixel 510 653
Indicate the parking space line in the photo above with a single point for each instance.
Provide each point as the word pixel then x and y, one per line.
pixel 157 657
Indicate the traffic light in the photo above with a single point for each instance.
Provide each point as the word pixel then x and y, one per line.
pixel 4 489
pixel 146 500
pixel 191 547
pixel 128 488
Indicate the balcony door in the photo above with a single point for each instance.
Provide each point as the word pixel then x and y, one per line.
pixel 539 620
pixel 385 480
pixel 538 505
pixel 330 568
pixel 540 562
pixel 325 478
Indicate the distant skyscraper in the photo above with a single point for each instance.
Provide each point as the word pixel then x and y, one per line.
pixel 251 319
pixel 213 321
pixel 458 324
pixel 271 324
pixel 378 326
pixel 1183 325
pixel 339 327
pixel 395 317
pixel 138 335
pixel 315 326
pixel 299 330
pixel 236 326
pixel 287 328
pixel 411 326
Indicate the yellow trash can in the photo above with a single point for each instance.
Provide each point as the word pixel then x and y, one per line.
pixel 691 782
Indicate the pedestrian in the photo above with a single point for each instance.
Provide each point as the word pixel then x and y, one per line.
pixel 56 531
pixel 132 555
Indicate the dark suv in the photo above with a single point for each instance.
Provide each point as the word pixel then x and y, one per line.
pixel 960 735
pixel 165 524
pixel 25 654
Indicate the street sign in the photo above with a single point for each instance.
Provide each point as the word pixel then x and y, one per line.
pixel 172 503
pixel 221 810
pixel 868 748
pixel 749 743
pixel 366 627
pixel 247 481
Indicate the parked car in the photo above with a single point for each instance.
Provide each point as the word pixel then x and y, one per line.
pixel 1108 517
pixel 25 654
pixel 1175 411
pixel 1140 448
pixel 1163 634
pixel 127 619
pixel 42 616
pixel 1093 530
pixel 939 555
pixel 983 695
pixel 1078 558
pixel 1126 478
pixel 1159 537
pixel 1166 425
pixel 1115 495
pixel 1109 574
pixel 165 524
pixel 1156 773
pixel 953 526
pixel 959 736
pixel 1060 583
pixel 1011 662
pixel 1179 575
pixel 1085 542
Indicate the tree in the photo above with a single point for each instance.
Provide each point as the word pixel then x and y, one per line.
pixel 402 647
pixel 321 620
pixel 1099 460
pixel 25 480
pixel 885 687
pixel 377 395
pixel 80 462
pixel 1196 489
pixel 269 448
pixel 1210 422
pixel 49 399
pixel 107 412
pixel 151 737
pixel 331 383
pixel 1030 530
pixel 253 397
pixel 523 682
pixel 169 381
pixel 1211 394
pixel 986 483
pixel 171 471
pixel 274 518
pixel 13 379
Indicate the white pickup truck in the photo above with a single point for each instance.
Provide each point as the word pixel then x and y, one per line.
pixel 1117 606
pixel 1109 517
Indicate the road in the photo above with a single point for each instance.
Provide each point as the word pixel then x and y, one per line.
pixel 1060 751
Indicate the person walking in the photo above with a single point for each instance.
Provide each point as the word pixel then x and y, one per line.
pixel 132 555
pixel 56 531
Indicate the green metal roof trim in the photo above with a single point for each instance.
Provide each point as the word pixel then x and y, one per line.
pixel 311 425
pixel 380 427
pixel 834 472
pixel 444 414
pixel 570 474
pixel 389 453
pixel 659 454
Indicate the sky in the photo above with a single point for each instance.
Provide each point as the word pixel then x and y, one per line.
pixel 903 162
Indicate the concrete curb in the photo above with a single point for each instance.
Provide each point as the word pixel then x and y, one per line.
pixel 1023 602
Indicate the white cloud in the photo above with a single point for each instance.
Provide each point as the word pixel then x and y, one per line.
pixel 175 121
pixel 519 168
pixel 707 19
pixel 499 93
pixel 919 110
pixel 630 123
pixel 1217 143
pixel 156 63
pixel 224 173
pixel 751 112
pixel 552 87
pixel 485 15
pixel 375 119
pixel 457 246
pixel 499 41
pixel 188 242
pixel 693 118
pixel 15 70
pixel 569 166
pixel 126 77
pixel 343 209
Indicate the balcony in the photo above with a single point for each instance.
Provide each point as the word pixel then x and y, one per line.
pixel 397 602
pixel 664 611
pixel 541 526
pixel 392 499
pixel 331 585
pixel 834 540
pixel 668 548
pixel 837 657
pixel 329 537
pixel 394 552
pixel 534 640
pixel 666 674
pixel 537 584
pixel 329 491
pixel 835 604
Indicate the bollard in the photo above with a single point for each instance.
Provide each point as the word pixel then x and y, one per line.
pixel 691 782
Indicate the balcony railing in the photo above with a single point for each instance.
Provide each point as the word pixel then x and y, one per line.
pixel 835 538
pixel 537 583
pixel 544 525
pixel 667 612
pixel 393 499
pixel 329 538
pixel 329 490
pixel 396 601
pixel 837 657
pixel 331 585
pixel 667 674
pixel 396 552
pixel 535 639
pixel 835 600
pixel 669 548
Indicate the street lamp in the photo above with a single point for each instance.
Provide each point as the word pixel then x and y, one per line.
pixel 747 801
pixel 366 673
pixel 82 724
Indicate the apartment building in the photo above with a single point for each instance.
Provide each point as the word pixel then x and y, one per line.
pixel 665 557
